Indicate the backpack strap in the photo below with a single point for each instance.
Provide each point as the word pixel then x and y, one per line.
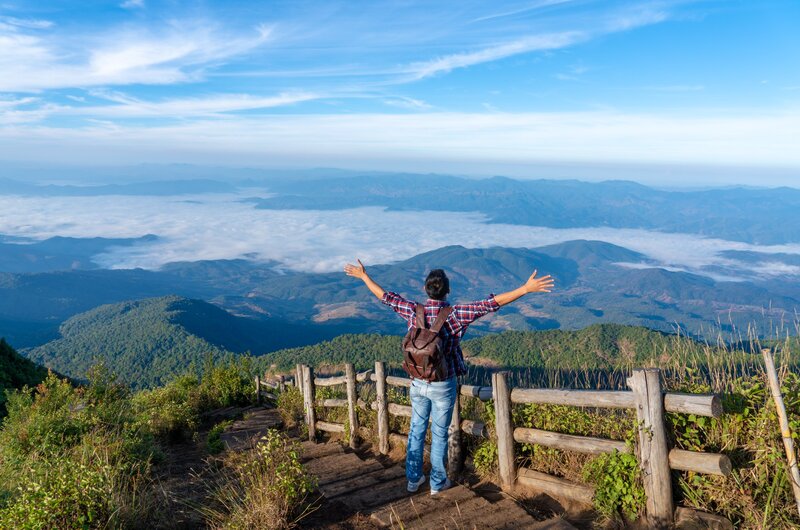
pixel 421 316
pixel 441 318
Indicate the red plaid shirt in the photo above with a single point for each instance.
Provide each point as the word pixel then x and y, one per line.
pixel 454 328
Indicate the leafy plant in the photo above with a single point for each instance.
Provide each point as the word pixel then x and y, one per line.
pixel 618 488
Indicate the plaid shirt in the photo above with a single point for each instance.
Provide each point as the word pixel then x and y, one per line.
pixel 454 328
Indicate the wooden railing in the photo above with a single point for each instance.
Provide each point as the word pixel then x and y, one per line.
pixel 646 397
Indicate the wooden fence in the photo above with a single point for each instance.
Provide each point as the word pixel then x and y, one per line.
pixel 646 397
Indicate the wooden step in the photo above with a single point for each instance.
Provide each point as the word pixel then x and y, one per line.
pixel 365 480
pixel 311 450
pixel 420 505
pixel 378 495
pixel 339 467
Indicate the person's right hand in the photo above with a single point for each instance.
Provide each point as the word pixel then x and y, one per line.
pixel 356 271
pixel 539 285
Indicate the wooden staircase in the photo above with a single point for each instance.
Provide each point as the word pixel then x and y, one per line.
pixel 366 486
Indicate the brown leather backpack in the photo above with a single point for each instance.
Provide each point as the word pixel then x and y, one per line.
pixel 423 348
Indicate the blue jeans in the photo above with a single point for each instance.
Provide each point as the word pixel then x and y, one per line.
pixel 434 401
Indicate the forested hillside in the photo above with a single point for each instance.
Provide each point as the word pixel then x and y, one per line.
pixel 602 346
pixel 147 342
pixel 16 372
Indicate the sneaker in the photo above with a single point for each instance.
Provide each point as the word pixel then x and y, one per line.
pixel 414 486
pixel 447 486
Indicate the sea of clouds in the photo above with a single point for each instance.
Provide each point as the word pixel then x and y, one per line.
pixel 222 226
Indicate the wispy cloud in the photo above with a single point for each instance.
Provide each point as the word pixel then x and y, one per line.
pixel 129 107
pixel 524 9
pixel 533 43
pixel 177 53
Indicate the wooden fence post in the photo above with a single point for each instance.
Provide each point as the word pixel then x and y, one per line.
pixel 454 455
pixel 653 450
pixel 786 432
pixel 383 407
pixel 298 378
pixel 258 390
pixel 352 398
pixel 308 399
pixel 281 383
pixel 504 430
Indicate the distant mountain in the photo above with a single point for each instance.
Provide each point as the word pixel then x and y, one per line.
pixel 15 372
pixel 147 342
pixel 596 282
pixel 761 216
pixel 150 188
pixel 58 253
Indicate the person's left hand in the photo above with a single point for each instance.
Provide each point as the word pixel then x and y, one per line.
pixel 356 271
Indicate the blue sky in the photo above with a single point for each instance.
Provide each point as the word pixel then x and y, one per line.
pixel 464 87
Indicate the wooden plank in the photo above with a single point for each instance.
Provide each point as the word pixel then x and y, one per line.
pixel 454 454
pixel 484 393
pixel 330 381
pixel 341 403
pixel 556 487
pixel 330 427
pixel 577 398
pixel 419 508
pixel 367 477
pixel 568 442
pixel 504 430
pixel 298 377
pixel 710 463
pixel 474 428
pixel 308 395
pixel 352 400
pixel 702 519
pixel 363 376
pixel 653 452
pixel 338 467
pixel 381 405
pixel 698 404
pixel 313 450
pixel 394 380
pixel 380 494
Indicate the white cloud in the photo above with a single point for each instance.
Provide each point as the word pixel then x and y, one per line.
pixel 177 53
pixel 550 41
pixel 220 227
pixel 129 107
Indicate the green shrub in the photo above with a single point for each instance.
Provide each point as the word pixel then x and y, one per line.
pixel 290 406
pixel 214 443
pixel 618 488
pixel 485 458
pixel 263 488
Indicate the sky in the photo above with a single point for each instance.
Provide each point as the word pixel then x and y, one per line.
pixel 664 92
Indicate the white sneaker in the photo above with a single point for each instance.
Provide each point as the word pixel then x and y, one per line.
pixel 414 486
pixel 447 486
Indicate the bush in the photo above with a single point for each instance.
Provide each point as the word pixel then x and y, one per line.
pixel 73 458
pixel 618 487
pixel 290 406
pixel 263 488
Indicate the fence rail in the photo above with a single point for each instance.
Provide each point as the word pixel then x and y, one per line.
pixel 646 397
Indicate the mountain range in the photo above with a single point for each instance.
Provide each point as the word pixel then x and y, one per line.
pixel 595 284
